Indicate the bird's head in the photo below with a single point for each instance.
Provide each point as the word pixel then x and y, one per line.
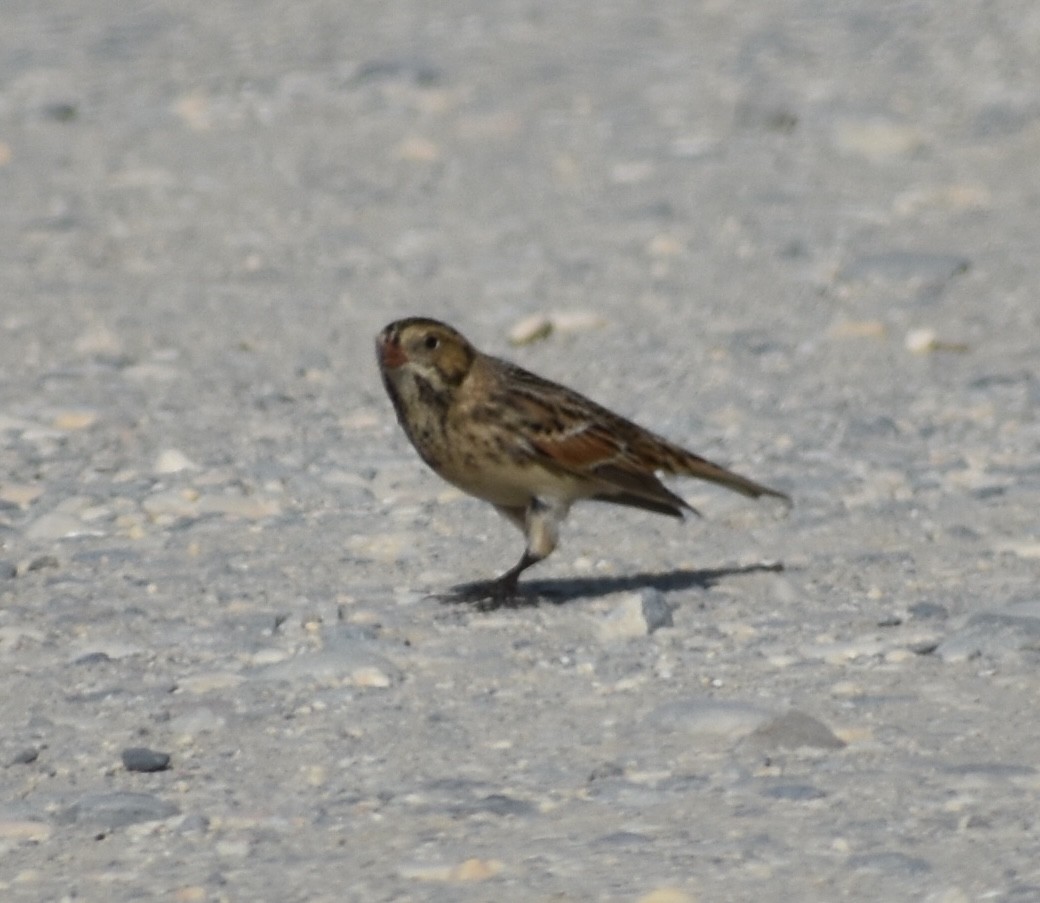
pixel 426 348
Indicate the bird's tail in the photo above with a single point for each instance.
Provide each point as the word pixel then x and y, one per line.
pixel 683 463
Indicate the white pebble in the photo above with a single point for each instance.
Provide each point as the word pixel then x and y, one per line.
pixel 530 329
pixel 920 341
pixel 172 460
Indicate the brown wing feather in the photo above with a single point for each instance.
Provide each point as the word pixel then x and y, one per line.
pixel 611 448
pixel 580 452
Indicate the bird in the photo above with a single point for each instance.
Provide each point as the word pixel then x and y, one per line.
pixel 529 446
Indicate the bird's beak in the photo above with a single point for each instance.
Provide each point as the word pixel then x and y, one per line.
pixel 391 355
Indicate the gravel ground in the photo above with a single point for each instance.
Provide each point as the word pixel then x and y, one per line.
pixel 798 236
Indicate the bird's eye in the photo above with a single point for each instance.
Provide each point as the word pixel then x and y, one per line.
pixel 431 342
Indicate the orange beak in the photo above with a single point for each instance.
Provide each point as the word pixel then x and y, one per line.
pixel 391 355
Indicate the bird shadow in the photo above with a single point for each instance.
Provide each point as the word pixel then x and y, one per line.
pixel 558 591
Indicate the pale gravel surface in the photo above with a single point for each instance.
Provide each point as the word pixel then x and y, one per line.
pixel 216 543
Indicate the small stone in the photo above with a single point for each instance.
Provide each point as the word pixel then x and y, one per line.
pixel 412 70
pixel 858 329
pixel 417 150
pixel 103 651
pixel 247 507
pixel 794 792
pixel 269 656
pixel 468 870
pixel 877 139
pixel 541 325
pixel 476 870
pixel 99 341
pixel 426 872
pixel 795 730
pixel 197 721
pixel 140 758
pixel 171 504
pixel 386 547
pixel 499 804
pixel 346 661
pixel 209 682
pixel 1029 548
pixel 606 771
pixel 839 653
pixel 16 637
pixel 906 266
pixel 927 610
pixel 637 614
pixel 920 341
pixel 996 634
pixel 664 245
pixel 42 562
pixel 948 895
pixel 632 172
pixel 194 110
pixel 24 829
pixel 117 810
pixel 707 720
pixel 233 849
pixel 957 197
pixel 92 658
pixel 21 495
pixel 667 895
pixel 892 863
pixel 694 147
pixel 567 321
pixel 315 775
pixel 847 689
pixel 369 677
pixel 57 525
pixel 195 823
pixel 25 756
pixel 61 111
pixel 530 329
pixel 625 620
pixel 924 647
pixel 172 460
pixel 657 611
pixel 69 421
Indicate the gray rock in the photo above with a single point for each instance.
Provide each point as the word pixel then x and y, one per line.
pixel 795 792
pixel 116 810
pixel 996 770
pixel 497 804
pixel 893 863
pixel 922 611
pixel 794 730
pixel 636 614
pixel 657 611
pixel 995 634
pixel 901 266
pixel 707 719
pixel 140 758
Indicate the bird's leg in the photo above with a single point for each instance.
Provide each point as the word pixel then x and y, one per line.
pixel 540 521
pixel 502 589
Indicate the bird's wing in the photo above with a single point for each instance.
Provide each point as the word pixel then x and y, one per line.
pixel 579 436
pixel 569 433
